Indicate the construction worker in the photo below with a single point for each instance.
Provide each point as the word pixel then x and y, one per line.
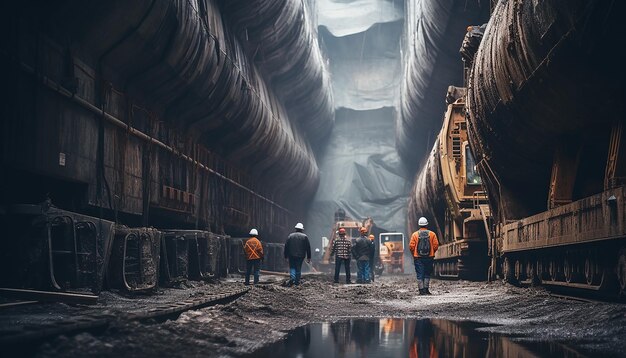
pixel 342 247
pixel 373 257
pixel 362 251
pixel 296 248
pixel 254 256
pixel 423 246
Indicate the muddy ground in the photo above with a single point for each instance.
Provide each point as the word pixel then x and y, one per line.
pixel 269 310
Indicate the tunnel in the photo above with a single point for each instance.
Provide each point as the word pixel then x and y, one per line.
pixel 312 178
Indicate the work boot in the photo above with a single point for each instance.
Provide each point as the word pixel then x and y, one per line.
pixel 422 292
pixel 336 281
pixel 348 282
pixel 426 291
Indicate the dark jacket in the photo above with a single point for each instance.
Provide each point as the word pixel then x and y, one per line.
pixel 342 247
pixel 362 249
pixel 297 245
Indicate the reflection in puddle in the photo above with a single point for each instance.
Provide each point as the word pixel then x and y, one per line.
pixel 395 337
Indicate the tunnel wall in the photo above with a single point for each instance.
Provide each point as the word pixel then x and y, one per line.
pixel 434 30
pixel 147 109
pixel 280 38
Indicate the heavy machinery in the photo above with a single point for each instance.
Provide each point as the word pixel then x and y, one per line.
pixel 545 110
pixel 391 251
pixel 448 191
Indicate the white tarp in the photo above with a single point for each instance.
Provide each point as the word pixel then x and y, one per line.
pixel 361 173
pixel 360 170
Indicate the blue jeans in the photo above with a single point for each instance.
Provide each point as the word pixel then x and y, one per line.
pixel 295 269
pixel 363 274
pixel 423 269
pixel 346 264
pixel 250 265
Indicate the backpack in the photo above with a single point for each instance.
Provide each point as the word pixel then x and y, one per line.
pixel 423 243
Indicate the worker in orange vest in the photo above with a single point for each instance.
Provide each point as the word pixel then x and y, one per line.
pixel 254 255
pixel 423 246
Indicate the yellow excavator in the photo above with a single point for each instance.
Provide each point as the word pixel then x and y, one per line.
pixel 391 248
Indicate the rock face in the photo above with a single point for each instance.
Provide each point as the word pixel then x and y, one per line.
pixel 280 37
pixel 434 30
pixel 546 85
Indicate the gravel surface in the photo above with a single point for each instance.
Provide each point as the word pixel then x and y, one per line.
pixel 269 310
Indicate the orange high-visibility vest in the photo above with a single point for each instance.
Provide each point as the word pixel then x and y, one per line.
pixel 432 237
pixel 253 249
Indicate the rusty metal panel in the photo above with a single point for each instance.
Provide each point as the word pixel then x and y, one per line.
pixel 48 248
pixel 132 176
pixel 161 79
pixel 596 218
pixel 122 172
pixel 135 258
pixel 77 135
pixel 85 80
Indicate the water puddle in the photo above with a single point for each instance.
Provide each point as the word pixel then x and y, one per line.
pixel 396 337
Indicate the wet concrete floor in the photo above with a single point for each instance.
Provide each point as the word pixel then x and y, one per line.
pixel 397 337
pixel 385 319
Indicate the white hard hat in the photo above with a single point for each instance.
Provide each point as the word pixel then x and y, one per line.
pixel 253 232
pixel 422 221
pixel 299 226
